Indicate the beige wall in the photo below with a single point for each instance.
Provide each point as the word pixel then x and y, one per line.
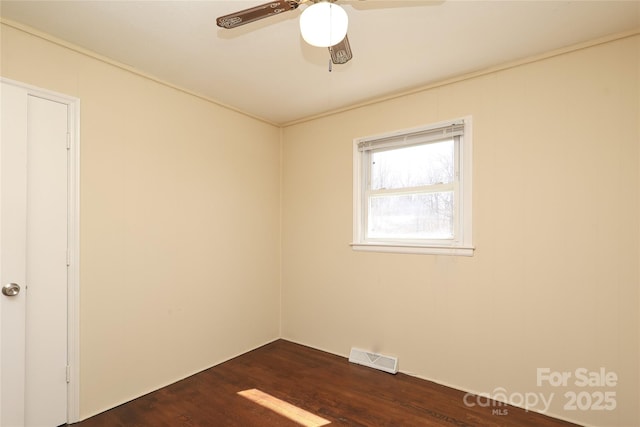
pixel 555 277
pixel 177 192
pixel 180 213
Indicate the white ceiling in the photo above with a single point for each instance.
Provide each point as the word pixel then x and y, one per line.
pixel 265 68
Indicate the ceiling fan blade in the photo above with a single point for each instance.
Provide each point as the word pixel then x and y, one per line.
pixel 341 52
pixel 255 13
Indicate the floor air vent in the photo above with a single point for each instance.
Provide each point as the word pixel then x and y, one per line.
pixel 374 360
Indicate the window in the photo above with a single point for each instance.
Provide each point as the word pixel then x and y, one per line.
pixel 412 190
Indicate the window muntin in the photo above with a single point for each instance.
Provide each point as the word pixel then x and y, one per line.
pixel 412 189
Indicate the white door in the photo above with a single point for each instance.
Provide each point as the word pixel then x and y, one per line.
pixel 34 218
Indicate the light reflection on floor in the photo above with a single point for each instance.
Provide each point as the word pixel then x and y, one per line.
pixel 283 408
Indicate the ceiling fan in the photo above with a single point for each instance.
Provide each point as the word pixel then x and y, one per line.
pixel 322 23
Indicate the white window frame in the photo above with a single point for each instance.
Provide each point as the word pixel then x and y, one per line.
pixel 461 244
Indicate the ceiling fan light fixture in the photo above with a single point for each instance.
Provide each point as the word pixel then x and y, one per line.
pixel 324 24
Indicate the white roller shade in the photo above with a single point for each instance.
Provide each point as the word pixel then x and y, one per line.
pixel 419 137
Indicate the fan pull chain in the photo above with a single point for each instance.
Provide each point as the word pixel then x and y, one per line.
pixel 330 65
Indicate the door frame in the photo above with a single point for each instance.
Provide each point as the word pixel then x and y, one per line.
pixel 73 240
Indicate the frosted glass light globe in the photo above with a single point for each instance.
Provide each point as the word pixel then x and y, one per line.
pixel 324 24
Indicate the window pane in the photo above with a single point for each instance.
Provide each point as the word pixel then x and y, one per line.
pixel 414 216
pixel 413 166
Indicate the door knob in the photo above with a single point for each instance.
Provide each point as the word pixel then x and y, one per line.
pixel 11 289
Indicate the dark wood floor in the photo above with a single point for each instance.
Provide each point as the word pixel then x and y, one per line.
pixel 323 384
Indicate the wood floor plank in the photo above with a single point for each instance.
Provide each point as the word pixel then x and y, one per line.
pixel 313 381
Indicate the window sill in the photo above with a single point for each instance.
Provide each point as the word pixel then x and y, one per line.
pixel 414 249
